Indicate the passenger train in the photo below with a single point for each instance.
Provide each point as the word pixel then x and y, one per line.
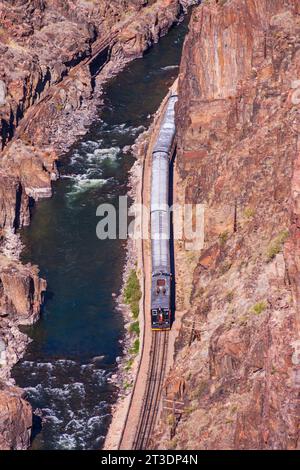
pixel 160 221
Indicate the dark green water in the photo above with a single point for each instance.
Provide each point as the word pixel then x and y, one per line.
pixel 62 371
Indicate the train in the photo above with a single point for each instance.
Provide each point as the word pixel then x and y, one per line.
pixel 161 280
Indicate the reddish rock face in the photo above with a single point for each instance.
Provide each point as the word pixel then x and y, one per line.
pixel 238 153
pixel 42 43
pixel 10 192
pixel 147 28
pixel 21 296
pixel 47 50
pixel 15 419
pixel 46 81
pixel 21 291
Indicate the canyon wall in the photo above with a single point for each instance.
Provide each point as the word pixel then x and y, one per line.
pixel 21 295
pixel 55 56
pixel 15 418
pixel 51 52
pixel 237 357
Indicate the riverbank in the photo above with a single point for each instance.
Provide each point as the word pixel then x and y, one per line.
pixel 125 379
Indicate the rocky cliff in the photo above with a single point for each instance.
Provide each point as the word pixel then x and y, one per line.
pixel 237 356
pixel 51 53
pixel 21 295
pixel 55 55
pixel 15 418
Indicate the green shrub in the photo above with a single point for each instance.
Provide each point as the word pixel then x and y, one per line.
pixel 243 320
pixel 172 444
pixel 190 409
pixel 132 293
pixel 249 213
pixel 276 246
pixel 127 385
pixel 135 328
pixel 135 309
pixel 259 307
pixel 135 347
pixel 209 2
pixel 129 364
pixel 171 420
pixel 59 107
pixel 223 237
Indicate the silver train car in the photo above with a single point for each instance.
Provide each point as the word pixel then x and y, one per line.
pixel 160 221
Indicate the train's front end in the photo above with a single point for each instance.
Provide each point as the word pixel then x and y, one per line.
pixel 161 277
pixel 160 302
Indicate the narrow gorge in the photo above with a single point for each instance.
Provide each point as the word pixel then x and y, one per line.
pixel 74 107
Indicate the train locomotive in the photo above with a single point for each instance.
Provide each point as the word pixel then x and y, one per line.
pixel 160 221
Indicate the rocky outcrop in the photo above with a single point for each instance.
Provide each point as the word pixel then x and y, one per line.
pixel 43 43
pixel 15 419
pixel 21 296
pixel 20 291
pixel 51 53
pixel 146 29
pixel 237 366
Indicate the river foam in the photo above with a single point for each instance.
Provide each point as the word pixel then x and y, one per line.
pixel 72 427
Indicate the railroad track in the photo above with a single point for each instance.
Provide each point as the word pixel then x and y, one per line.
pixel 143 408
pixel 151 401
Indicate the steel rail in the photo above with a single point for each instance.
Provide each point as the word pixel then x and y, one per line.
pixel 149 394
pixel 153 390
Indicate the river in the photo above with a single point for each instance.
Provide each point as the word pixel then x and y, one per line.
pixel 78 339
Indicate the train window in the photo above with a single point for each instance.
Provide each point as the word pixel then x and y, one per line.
pixel 161 282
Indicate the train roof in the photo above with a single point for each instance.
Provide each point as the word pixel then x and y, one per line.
pixel 161 299
pixel 167 128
